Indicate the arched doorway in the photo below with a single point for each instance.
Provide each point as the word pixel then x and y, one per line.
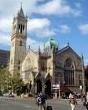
pixel 48 87
pixel 39 86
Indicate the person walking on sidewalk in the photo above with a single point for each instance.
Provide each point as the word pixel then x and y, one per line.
pixel 41 99
pixel 73 103
pixel 87 100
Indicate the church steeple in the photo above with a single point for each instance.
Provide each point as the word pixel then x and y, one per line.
pixel 20 12
pixel 18 41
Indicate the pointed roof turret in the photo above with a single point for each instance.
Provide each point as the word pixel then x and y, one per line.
pixel 21 13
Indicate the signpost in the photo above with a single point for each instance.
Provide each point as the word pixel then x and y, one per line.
pixel 57 87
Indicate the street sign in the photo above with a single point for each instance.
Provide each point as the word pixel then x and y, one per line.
pixel 56 86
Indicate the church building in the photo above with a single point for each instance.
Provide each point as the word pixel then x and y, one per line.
pixel 43 69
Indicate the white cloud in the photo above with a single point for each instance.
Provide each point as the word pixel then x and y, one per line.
pixel 5 24
pixel 5 31
pixel 51 7
pixel 40 27
pixel 30 41
pixel 57 7
pixel 34 44
pixel 83 28
pixel 10 7
pixel 38 23
pixel 64 29
pixel 5 39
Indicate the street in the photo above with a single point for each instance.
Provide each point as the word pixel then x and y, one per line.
pixel 30 104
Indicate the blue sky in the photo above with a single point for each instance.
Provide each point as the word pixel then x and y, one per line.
pixel 66 20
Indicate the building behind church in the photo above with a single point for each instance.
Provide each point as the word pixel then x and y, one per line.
pixel 4 58
pixel 43 69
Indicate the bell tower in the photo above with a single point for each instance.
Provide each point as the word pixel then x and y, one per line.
pixel 18 41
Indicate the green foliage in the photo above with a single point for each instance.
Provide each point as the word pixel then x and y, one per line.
pixel 17 83
pixel 4 79
pixel 10 83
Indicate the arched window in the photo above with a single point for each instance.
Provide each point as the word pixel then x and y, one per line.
pixel 21 28
pixel 69 72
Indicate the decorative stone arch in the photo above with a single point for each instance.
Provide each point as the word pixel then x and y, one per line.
pixel 69 71
pixel 48 80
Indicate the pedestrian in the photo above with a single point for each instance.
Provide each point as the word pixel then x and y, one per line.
pixel 41 99
pixel 84 99
pixel 70 95
pixel 87 100
pixel 73 103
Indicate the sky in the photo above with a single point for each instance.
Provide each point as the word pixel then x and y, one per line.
pixel 66 20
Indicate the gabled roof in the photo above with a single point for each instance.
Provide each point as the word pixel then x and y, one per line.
pixel 65 49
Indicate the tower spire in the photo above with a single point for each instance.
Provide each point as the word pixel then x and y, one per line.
pixel 21 4
pixel 21 13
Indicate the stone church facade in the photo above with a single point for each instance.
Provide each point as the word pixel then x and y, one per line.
pixel 43 69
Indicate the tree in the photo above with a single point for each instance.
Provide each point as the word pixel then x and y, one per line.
pixel 16 83
pixel 9 83
pixel 4 79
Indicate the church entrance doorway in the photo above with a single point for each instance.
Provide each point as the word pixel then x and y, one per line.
pixel 48 87
pixel 39 86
